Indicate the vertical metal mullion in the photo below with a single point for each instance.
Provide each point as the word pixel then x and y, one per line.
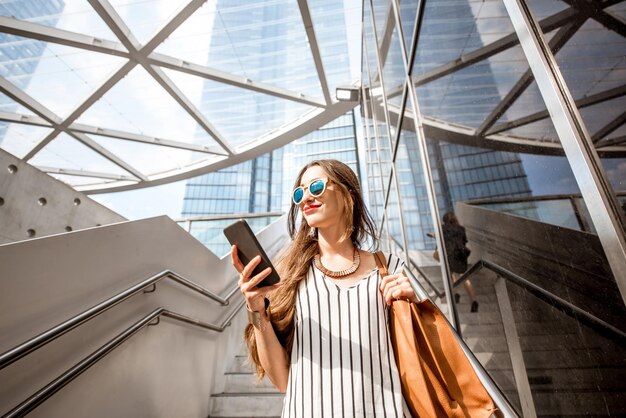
pixel 386 109
pixel 375 125
pixel 430 185
pixel 368 148
pixel 575 139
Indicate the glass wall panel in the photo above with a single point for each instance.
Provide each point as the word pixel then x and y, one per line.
pixel 507 197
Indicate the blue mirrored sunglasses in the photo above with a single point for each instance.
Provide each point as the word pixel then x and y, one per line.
pixel 316 188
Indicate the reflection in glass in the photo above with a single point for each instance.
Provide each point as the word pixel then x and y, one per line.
pixel 265 42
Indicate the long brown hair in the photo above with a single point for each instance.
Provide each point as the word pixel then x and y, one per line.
pixel 295 261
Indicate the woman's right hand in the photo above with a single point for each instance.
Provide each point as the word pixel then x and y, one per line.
pixel 253 295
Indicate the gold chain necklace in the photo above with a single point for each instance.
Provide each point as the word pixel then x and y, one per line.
pixel 356 261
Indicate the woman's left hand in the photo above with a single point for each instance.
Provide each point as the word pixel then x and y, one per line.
pixel 397 286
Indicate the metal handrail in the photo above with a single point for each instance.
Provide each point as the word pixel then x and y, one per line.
pixel 478 202
pixel 419 270
pixel 27 347
pixel 33 401
pixel 561 304
pixel 492 388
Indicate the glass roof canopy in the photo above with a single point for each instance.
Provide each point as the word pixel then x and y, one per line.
pixel 120 94
pixel 111 95
pixel 473 82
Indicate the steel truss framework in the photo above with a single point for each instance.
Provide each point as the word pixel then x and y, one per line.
pixel 573 139
pixel 218 156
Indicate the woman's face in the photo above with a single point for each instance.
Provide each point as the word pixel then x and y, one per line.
pixel 325 210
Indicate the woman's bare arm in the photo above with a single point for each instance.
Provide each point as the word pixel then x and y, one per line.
pixel 272 355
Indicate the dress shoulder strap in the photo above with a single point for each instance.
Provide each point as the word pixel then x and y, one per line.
pixel 380 262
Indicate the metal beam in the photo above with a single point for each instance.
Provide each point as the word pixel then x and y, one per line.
pixel 56 123
pixel 159 75
pixel 139 54
pixel 608 128
pixel 165 61
pixel 76 40
pixel 579 149
pixel 61 37
pixel 72 39
pixel 438 130
pixel 83 173
pixel 277 138
pixel 593 9
pixel 556 43
pixel 315 49
pixel 129 136
pixel 33 120
pixel 28 102
pixel 94 97
pixel 107 154
pixel 24 119
pixel 611 141
pixel 548 24
pixel 385 42
pixel 580 103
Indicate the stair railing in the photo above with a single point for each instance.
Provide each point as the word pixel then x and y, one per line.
pixel 561 304
pixel 27 347
pixel 412 263
pixel 153 318
pixel 492 388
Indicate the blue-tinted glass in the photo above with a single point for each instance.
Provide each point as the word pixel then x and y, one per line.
pixel 316 187
pixel 298 194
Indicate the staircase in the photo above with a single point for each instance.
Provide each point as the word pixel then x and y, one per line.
pixel 242 395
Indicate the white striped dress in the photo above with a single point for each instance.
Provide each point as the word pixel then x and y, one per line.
pixel 342 363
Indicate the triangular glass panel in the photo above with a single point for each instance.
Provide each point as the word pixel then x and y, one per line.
pixel 19 139
pixel 598 116
pixel 467 96
pixel 338 32
pixel 11 106
pixel 528 103
pixel 57 76
pixel 146 18
pixel 452 29
pixel 262 41
pixel 151 159
pixel 69 153
pixel 542 130
pixel 590 58
pixel 612 79
pixel 408 10
pixel 239 115
pixel 618 9
pixel 71 15
pixel 139 105
pixel 542 8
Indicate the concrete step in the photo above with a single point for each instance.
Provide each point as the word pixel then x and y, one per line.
pixel 268 404
pixel 247 382
pixel 240 364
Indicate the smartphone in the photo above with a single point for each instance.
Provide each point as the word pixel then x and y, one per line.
pixel 239 233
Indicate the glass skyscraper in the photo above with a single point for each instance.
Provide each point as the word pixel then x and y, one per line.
pixel 264 184
pixel 271 38
pixel 20 56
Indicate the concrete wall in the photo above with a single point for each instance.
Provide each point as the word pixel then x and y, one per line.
pixel 33 204
pixel 164 371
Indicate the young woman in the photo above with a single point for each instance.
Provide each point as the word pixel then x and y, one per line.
pixel 323 337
